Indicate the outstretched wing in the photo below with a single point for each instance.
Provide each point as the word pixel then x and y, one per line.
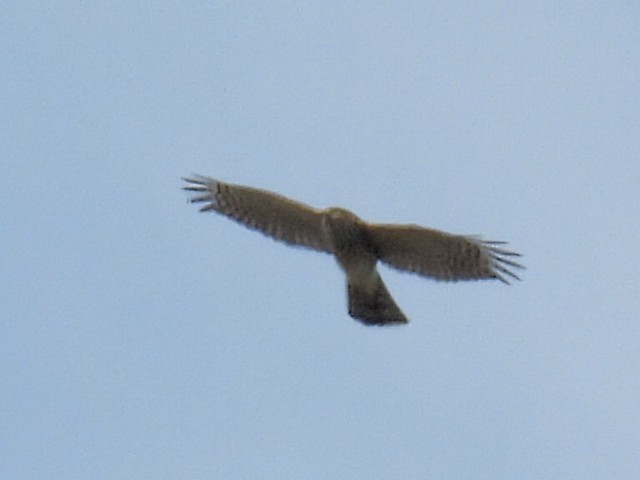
pixel 272 214
pixel 441 255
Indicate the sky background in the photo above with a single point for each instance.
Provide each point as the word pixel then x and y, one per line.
pixel 141 339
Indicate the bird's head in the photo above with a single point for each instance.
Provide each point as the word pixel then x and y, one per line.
pixel 336 216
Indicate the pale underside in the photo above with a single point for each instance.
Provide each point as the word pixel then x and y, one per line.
pixel 358 245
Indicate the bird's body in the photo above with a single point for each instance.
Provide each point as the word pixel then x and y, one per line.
pixel 368 297
pixel 358 245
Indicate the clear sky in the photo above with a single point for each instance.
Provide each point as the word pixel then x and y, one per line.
pixel 141 339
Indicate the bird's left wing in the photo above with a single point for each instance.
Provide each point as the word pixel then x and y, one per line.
pixel 272 214
pixel 441 255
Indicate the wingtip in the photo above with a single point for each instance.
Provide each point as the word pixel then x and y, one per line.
pixel 500 261
pixel 200 179
pixel 207 188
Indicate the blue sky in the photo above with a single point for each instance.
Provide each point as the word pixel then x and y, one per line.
pixel 144 340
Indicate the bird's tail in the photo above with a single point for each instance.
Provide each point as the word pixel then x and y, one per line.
pixel 372 304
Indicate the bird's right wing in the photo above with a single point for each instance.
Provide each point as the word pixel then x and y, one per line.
pixel 272 214
pixel 441 255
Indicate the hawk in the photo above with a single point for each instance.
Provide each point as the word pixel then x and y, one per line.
pixel 358 245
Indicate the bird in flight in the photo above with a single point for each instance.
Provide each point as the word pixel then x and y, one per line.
pixel 358 245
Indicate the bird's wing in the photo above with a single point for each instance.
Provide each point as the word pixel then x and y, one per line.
pixel 272 214
pixel 441 255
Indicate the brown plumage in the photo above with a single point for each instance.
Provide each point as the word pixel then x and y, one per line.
pixel 358 245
